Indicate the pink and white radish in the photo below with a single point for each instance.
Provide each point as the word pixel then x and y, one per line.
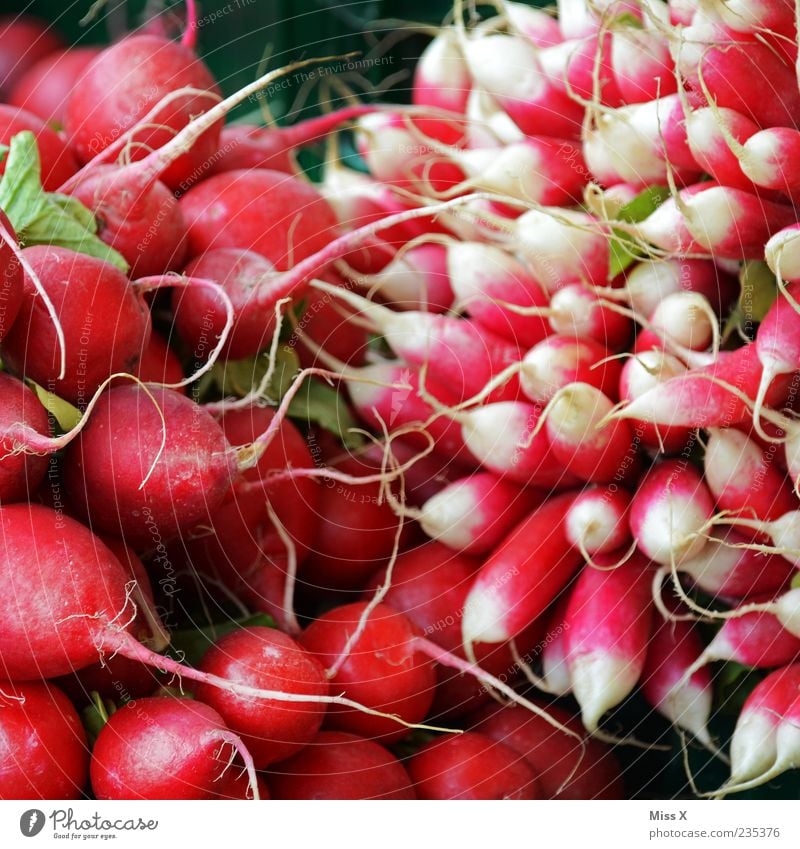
pixel 597 521
pixel 441 78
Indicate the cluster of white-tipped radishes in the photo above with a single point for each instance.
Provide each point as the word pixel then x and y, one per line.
pixel 504 418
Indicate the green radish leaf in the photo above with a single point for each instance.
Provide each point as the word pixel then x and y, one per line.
pixel 318 403
pixel 239 377
pixel 193 643
pixel 624 250
pixel 62 411
pixel 626 19
pixel 795 585
pixel 43 218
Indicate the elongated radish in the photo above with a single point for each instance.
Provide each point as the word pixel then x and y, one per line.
pixel 754 742
pixel 474 514
pixel 581 68
pixel 441 78
pixel 744 477
pixel 486 280
pixel 685 702
pixel 562 359
pixel 555 678
pixel 597 520
pixel 609 617
pixel 593 449
pixel 642 65
pixel 522 576
pixel 669 512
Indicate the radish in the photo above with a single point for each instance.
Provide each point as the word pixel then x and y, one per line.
pixel 743 477
pixel 45 87
pixel 597 521
pixel 471 766
pixel 686 703
pixel 669 512
pixel 476 513
pixel 563 246
pixel 583 441
pixel 754 742
pixel 682 322
pixel 782 255
pixel 726 566
pixel 643 67
pixel 12 284
pixel 24 40
pixel 20 473
pixel 609 616
pixel 158 363
pixel 105 323
pixel 555 672
pixel 560 360
pixel 488 125
pixel 456 353
pixel 337 765
pixel 581 69
pixel 717 395
pixel 578 311
pixel 57 162
pixel 123 84
pixel 509 69
pixel 708 218
pixel 522 576
pixel 441 77
pixel 266 659
pixel 43 752
pixel 486 281
pixel 384 668
pixel 540 28
pixel 565 769
pixel 165 748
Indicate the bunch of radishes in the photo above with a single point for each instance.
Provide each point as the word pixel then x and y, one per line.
pixel 528 302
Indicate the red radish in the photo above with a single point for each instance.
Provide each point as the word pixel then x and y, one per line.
pixel 540 28
pixel 139 466
pixel 728 567
pixel 754 742
pixel 522 576
pixel 337 765
pixel 105 322
pixel 682 322
pixel 737 69
pixel 247 146
pixel 783 532
pixel 509 69
pixel 563 246
pixel 273 214
pixel 486 280
pixel 384 669
pixel 717 395
pixel 159 363
pixel 43 751
pixel 235 784
pixel 743 477
pixel 474 514
pixel 266 659
pixel 416 278
pixel 327 324
pixel 456 353
pixel 148 67
pixel 682 11
pixel 581 68
pixel 782 253
pixel 164 748
pixel 577 18
pixel 12 284
pixel 670 511
pixel 471 766
pixel 24 40
pixel 597 520
pixel 582 439
pixel 20 473
pixel 643 68
pixel 711 219
pixel 609 617
pixel 565 769
pixel 45 87
pixel 555 672
pixel 488 125
pixel 441 77
pixel 578 311
pixel 560 360
pixel 57 162
pixel 686 703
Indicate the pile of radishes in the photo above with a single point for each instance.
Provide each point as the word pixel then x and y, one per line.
pixel 416 474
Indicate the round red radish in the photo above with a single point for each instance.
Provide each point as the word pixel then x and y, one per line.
pixel 161 748
pixel 20 472
pixel 123 84
pixel 46 86
pixel 159 363
pixel 57 162
pixel 106 324
pixel 471 766
pixel 337 765
pixel 106 466
pixel 267 659
pixel 23 41
pixel 383 670
pixel 43 751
